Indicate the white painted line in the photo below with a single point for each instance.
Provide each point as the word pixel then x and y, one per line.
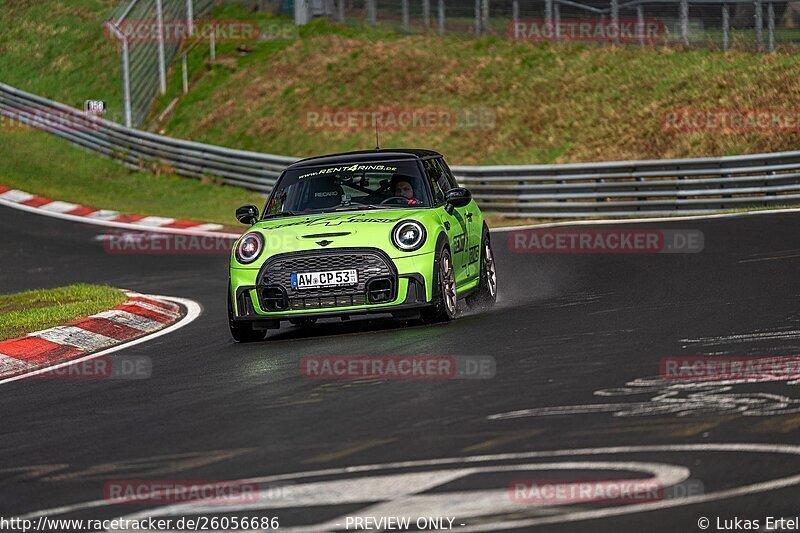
pixel 58 207
pixel 193 310
pixel 208 227
pixel 77 337
pixel 155 221
pixel 677 218
pixel 578 515
pixel 131 320
pixel 12 365
pixel 100 221
pixel 16 196
pixel 102 214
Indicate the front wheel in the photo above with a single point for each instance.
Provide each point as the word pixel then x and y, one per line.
pixel 445 298
pixel 486 294
pixel 242 331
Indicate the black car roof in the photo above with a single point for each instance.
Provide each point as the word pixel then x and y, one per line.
pixel 365 156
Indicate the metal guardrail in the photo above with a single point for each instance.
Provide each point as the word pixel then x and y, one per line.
pixel 611 189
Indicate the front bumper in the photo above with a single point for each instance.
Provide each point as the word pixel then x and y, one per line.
pixel 386 285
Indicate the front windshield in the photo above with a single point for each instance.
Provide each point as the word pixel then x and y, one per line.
pixel 349 187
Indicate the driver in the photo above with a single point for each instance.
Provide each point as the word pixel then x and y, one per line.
pixel 403 188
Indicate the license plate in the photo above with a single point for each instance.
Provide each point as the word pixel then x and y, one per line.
pixel 330 278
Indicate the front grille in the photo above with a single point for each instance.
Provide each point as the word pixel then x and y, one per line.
pixel 369 263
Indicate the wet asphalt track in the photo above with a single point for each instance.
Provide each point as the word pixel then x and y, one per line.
pixel 566 326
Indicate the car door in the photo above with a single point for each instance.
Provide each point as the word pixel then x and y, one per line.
pixel 474 226
pixel 458 230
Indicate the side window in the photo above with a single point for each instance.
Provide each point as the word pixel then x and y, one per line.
pixel 450 178
pixel 435 176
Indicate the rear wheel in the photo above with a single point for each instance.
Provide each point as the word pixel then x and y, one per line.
pixel 445 297
pixel 242 331
pixel 485 295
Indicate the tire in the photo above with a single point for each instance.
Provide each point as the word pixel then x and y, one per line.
pixel 485 295
pixel 242 331
pixel 445 297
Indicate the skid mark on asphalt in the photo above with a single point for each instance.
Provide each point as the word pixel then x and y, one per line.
pixel 667 428
pixel 347 452
pixel 501 440
pixel 782 424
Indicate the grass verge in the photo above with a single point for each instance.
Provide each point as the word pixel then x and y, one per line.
pixel 35 310
pixel 39 163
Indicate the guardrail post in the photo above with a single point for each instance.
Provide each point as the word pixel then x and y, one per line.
pixel 404 6
pixel 615 19
pixel 771 26
pixel 684 16
pixel 726 27
pixel 372 12
pixel 441 16
pixel 162 62
pixel 640 23
pixel 759 21
pixel 426 13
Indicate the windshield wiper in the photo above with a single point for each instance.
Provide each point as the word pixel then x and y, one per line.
pixel 283 214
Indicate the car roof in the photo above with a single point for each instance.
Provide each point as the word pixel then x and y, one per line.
pixel 364 156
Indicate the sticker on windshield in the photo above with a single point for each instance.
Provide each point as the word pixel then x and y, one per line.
pixel 352 168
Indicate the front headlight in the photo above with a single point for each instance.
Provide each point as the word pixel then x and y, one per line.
pixel 408 235
pixel 249 248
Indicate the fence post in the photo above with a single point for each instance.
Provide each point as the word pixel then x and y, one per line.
pixel 726 27
pixel 640 29
pixel 341 11
pixel 441 16
pixel 190 17
pixel 162 63
pixel 557 21
pixel 515 11
pixel 771 26
pixel 759 24
pixel 404 8
pixel 477 17
pixel 185 74
pixel 372 15
pixel 300 12
pixel 426 13
pixel 548 12
pixel 213 45
pixel 485 16
pixel 684 15
pixel 615 18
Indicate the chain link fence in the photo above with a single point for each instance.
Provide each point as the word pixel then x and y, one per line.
pixel 150 33
pixel 719 24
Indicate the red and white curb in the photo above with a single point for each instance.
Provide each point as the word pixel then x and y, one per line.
pixel 139 319
pixel 103 217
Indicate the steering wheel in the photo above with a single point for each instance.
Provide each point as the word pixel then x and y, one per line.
pixel 394 199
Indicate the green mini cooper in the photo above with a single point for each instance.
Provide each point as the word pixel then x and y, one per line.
pixel 381 231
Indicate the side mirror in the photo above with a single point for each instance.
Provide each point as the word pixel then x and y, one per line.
pixel 458 197
pixel 247 214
